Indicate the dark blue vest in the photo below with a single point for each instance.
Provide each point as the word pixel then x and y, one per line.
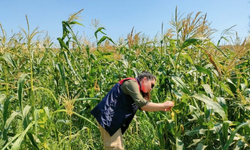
pixel 116 110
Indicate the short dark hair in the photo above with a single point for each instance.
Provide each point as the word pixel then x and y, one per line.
pixel 146 74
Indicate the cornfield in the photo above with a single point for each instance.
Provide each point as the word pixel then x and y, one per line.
pixel 47 93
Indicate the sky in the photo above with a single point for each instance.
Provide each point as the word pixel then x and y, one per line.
pixel 119 17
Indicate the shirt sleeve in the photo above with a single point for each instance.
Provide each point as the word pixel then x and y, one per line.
pixel 130 87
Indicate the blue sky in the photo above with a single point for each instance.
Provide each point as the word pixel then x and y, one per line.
pixel 119 17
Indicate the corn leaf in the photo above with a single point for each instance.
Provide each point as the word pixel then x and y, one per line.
pixel 26 111
pixel 20 90
pixel 102 39
pixel 99 30
pixel 231 138
pixel 209 102
pixel 12 139
pixel 181 84
pixel 70 66
pixel 8 122
pixel 9 59
pixel 191 41
pixel 200 146
pixel 75 22
pixel 16 145
pixel 6 110
pixel 226 89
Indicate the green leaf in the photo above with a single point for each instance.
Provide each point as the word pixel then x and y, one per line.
pixel 226 89
pixel 185 55
pixel 63 44
pixel 8 122
pixel 2 98
pixel 63 76
pixel 224 132
pixel 84 118
pixel 6 112
pixel 49 92
pixel 86 99
pixel 16 145
pixel 46 109
pixel 70 66
pixel 223 103
pixel 20 90
pixel 181 84
pixel 208 90
pixel 191 41
pixel 231 86
pixel 65 121
pixel 102 39
pixel 195 142
pixel 209 102
pixel 10 119
pixel 92 56
pixel 203 70
pixel 66 32
pixel 110 40
pixel 211 43
pixel 231 138
pixel 99 30
pixel 75 22
pixel 26 122
pixel 10 142
pixel 196 131
pixel 6 109
pixel 87 49
pixel 26 111
pixel 179 144
pixel 9 59
pixel 179 107
pixel 201 147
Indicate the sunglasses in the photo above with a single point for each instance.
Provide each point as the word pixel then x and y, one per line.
pixel 152 85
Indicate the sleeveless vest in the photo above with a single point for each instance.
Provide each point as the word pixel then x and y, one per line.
pixel 116 110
